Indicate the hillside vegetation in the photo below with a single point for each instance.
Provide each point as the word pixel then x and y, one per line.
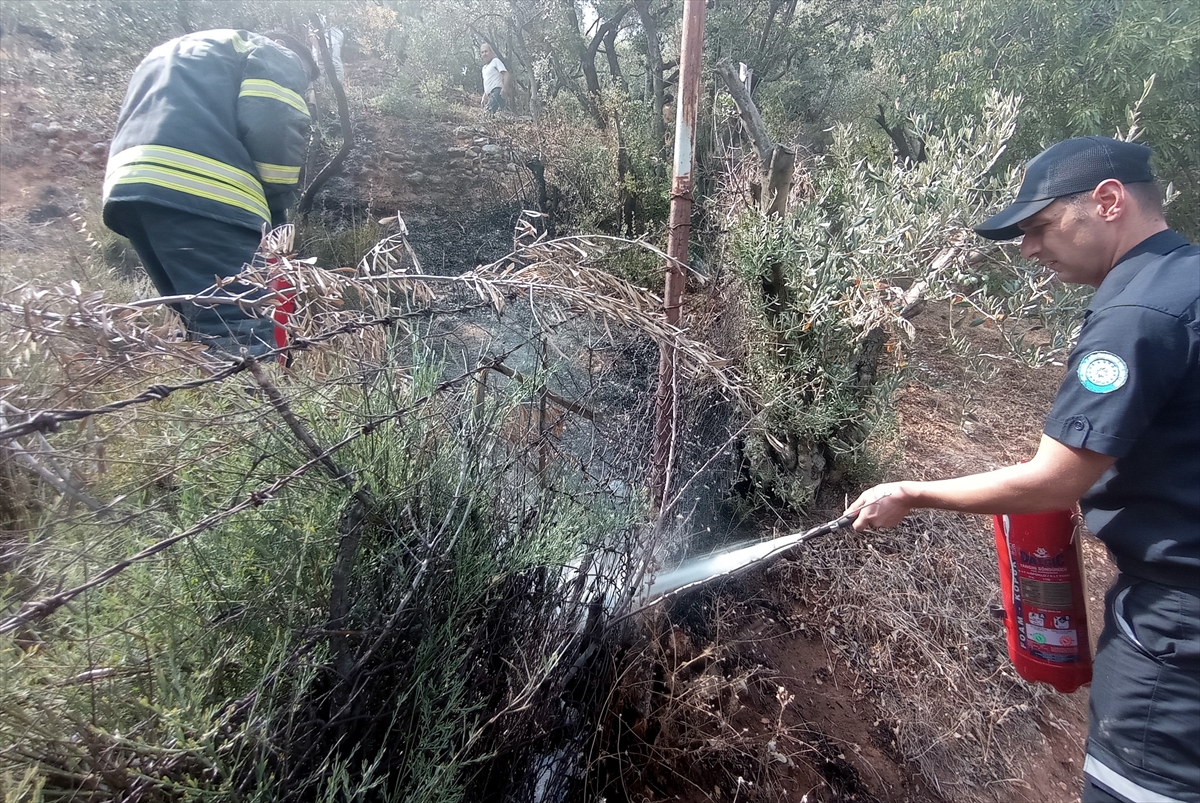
pixel 409 565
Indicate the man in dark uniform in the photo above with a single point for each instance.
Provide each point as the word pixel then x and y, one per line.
pixel 207 152
pixel 1123 437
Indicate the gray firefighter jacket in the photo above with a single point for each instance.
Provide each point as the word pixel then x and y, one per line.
pixel 215 124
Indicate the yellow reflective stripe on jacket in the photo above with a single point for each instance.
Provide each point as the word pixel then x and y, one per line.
pixel 230 36
pixel 239 181
pixel 277 174
pixel 239 44
pixel 262 88
pixel 185 181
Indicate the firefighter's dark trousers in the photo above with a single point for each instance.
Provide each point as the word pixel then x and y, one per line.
pixel 1144 731
pixel 183 253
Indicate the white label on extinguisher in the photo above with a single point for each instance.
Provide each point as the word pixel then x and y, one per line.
pixel 1043 581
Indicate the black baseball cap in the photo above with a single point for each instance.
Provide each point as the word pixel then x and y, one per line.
pixel 1071 166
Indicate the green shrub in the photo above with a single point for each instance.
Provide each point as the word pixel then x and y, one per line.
pixel 217 666
pixel 877 236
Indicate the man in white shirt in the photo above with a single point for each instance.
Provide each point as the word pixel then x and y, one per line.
pixel 495 80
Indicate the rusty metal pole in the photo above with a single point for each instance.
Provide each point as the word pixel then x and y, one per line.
pixel 680 226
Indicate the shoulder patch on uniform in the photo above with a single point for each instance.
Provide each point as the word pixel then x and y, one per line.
pixel 1102 372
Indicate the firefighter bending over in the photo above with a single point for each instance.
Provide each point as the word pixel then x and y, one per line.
pixel 207 150
pixel 1123 437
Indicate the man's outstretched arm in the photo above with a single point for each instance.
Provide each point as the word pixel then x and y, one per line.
pixel 1053 480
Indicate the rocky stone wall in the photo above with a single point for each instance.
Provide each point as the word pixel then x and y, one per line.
pixel 467 167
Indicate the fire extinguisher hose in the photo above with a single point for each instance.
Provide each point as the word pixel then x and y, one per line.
pixel 733 563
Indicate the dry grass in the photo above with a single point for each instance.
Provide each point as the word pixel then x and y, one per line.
pixel 908 609
pixel 700 720
pixel 903 616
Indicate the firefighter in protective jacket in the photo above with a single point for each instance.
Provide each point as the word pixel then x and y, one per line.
pixel 207 151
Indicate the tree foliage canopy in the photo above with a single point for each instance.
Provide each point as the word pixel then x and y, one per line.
pixel 1079 66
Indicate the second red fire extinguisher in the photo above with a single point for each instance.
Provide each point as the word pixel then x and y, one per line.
pixel 1045 605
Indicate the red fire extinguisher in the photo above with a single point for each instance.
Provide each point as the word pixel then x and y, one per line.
pixel 1045 606
pixel 285 306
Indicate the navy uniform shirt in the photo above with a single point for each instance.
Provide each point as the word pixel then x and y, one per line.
pixel 1132 392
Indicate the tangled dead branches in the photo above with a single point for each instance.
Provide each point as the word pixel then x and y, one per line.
pixel 87 338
